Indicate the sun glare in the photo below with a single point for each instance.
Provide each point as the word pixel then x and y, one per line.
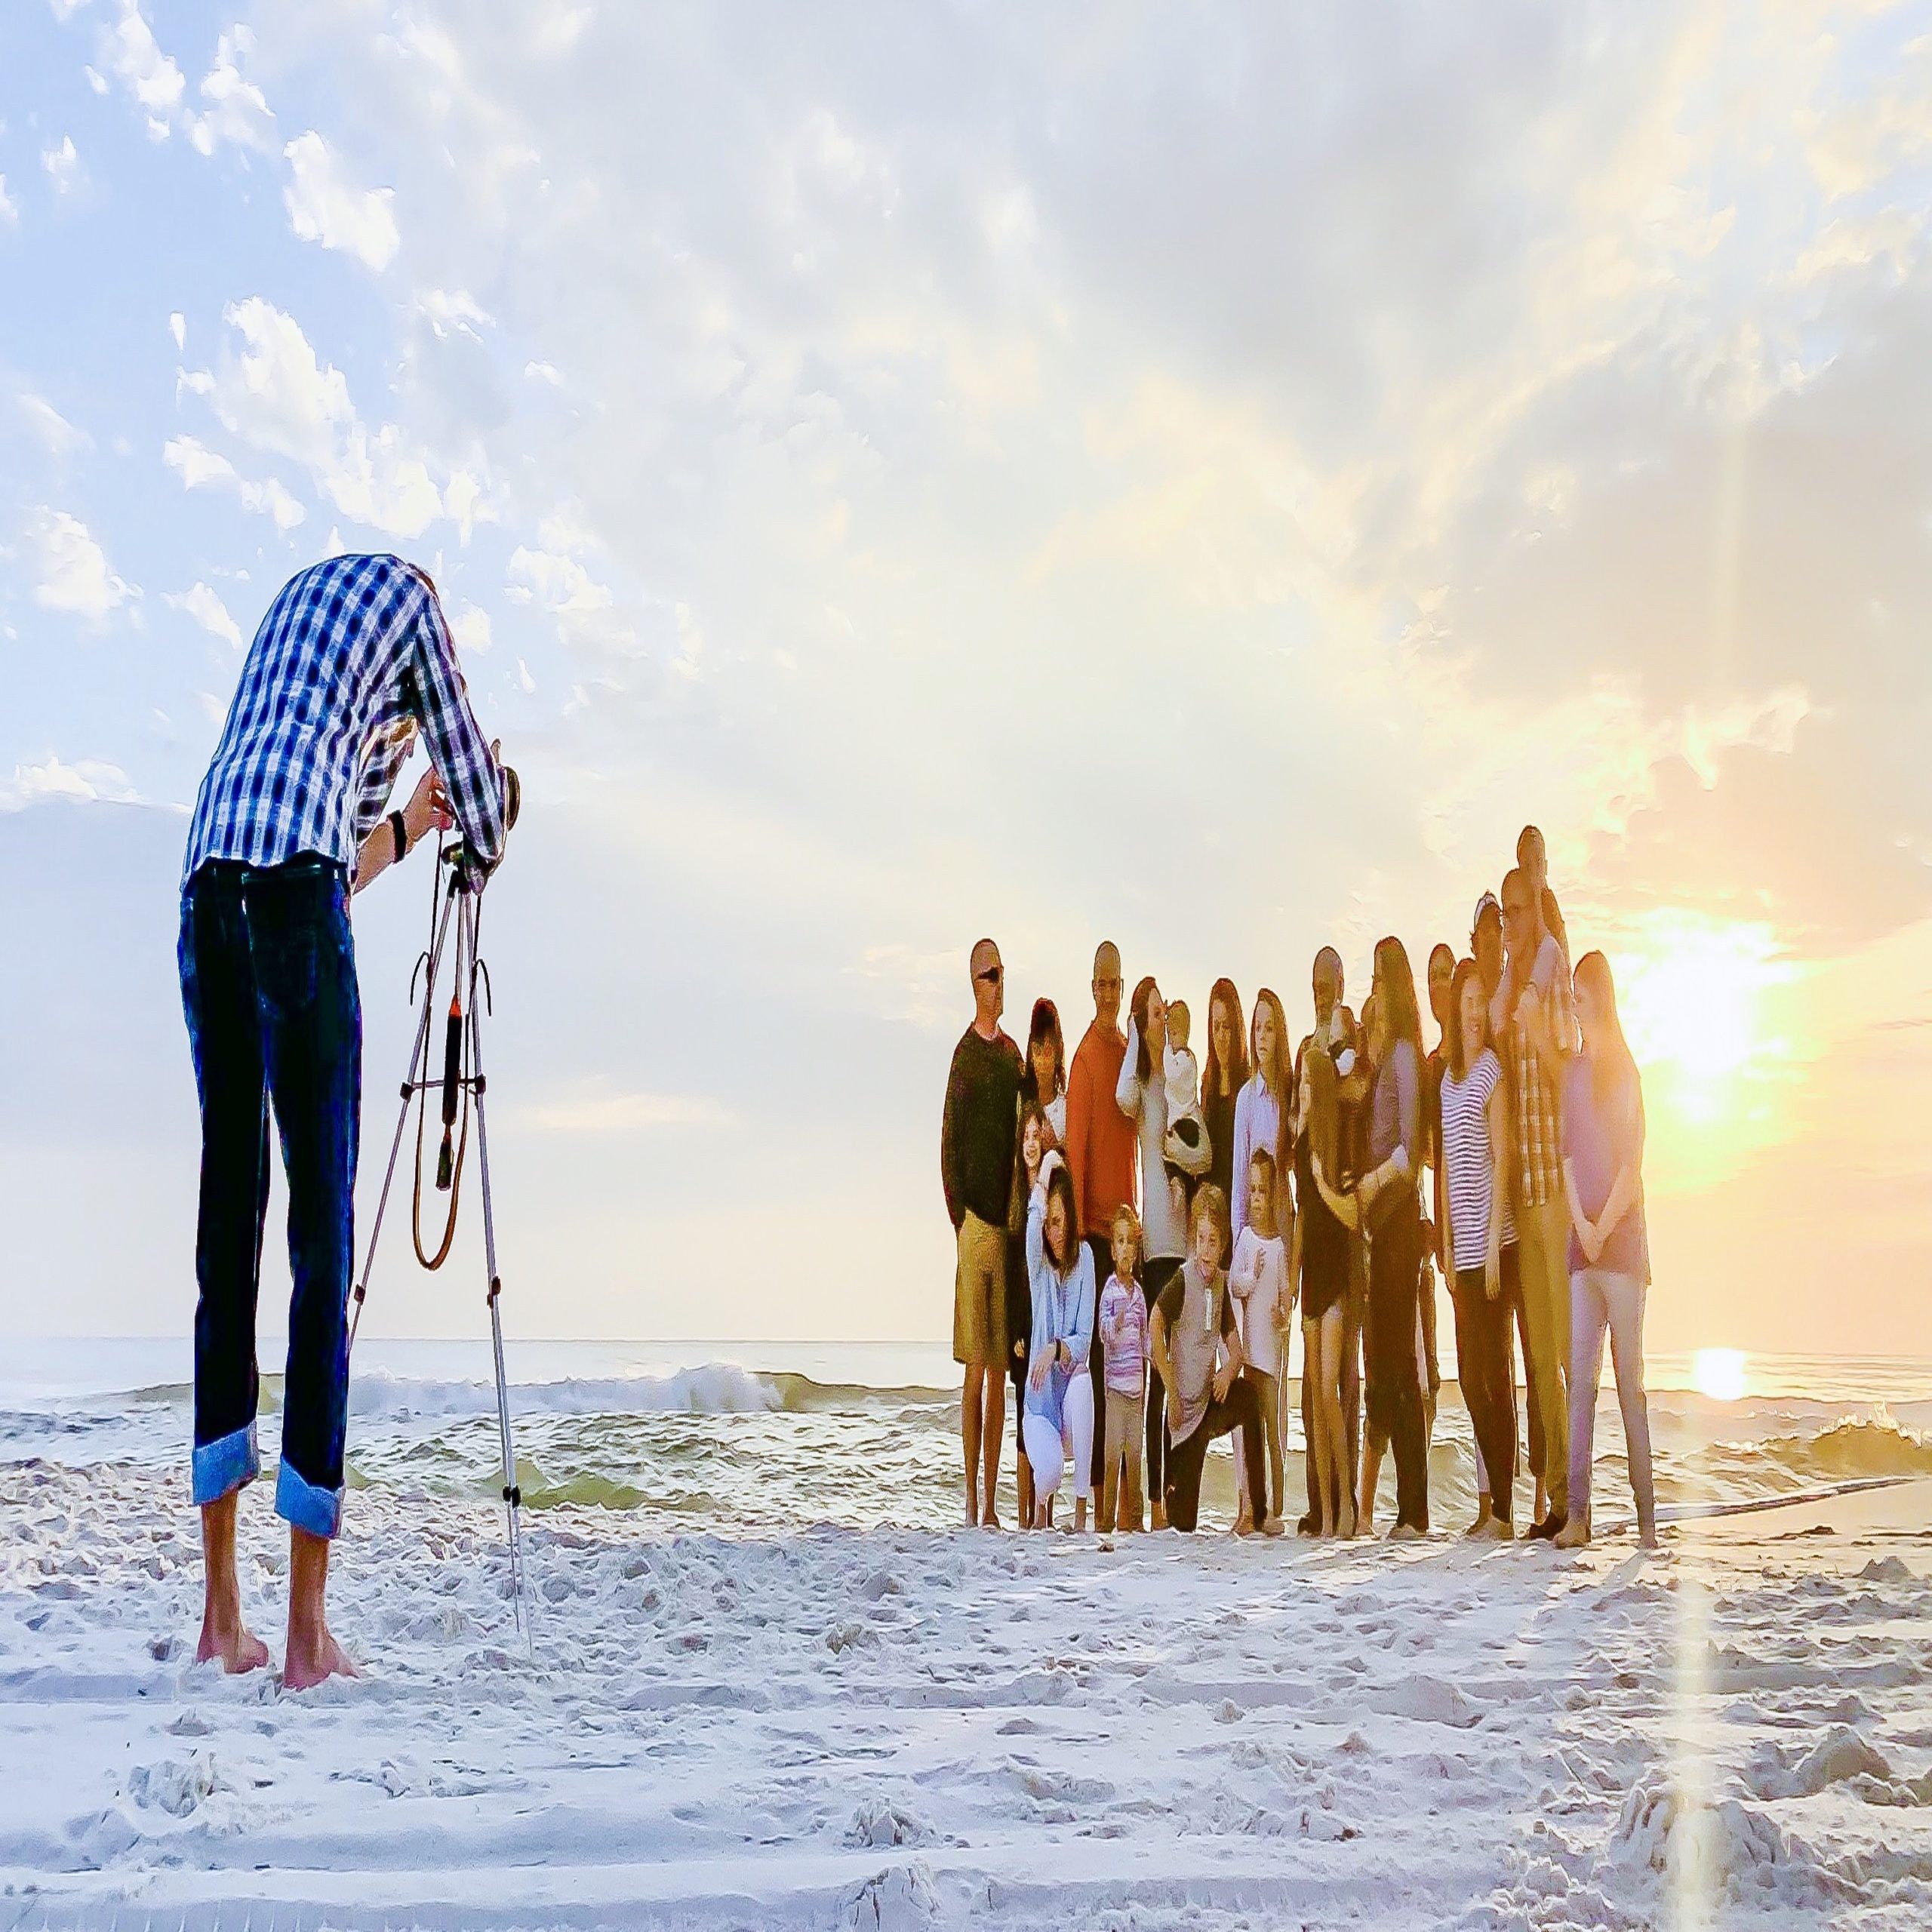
pixel 1719 1374
pixel 1690 990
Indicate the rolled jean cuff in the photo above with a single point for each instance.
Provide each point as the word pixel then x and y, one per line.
pixel 304 1506
pixel 223 1465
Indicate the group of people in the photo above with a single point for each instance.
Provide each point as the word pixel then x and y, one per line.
pixel 1137 1236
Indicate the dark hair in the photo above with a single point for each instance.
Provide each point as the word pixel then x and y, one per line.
pixel 1236 1069
pixel 1615 1062
pixel 1437 951
pixel 1143 1065
pixel 1046 1026
pixel 1059 1184
pixel 1209 1200
pixel 1325 1113
pixel 1465 971
pixel 1398 983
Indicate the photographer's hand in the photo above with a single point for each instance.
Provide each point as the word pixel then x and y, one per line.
pixel 428 810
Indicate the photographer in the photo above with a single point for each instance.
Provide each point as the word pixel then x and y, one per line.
pixel 353 656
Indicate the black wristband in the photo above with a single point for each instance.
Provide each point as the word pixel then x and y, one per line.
pixel 399 832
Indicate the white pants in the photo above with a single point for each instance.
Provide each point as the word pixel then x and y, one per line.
pixel 1048 1448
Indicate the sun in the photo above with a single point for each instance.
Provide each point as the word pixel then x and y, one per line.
pixel 1691 992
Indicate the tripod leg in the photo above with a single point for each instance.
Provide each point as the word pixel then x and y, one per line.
pixel 513 1495
pixel 402 1121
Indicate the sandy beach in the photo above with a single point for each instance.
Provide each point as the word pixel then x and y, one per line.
pixel 898 1729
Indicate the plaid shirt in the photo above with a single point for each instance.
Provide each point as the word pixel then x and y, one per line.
pixel 353 656
pixel 1538 1098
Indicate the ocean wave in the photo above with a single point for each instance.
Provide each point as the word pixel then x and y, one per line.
pixel 717 1389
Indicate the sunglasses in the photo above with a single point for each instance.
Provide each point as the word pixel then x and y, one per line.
pixel 991 975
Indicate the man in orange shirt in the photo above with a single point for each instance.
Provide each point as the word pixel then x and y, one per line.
pixel 1101 1151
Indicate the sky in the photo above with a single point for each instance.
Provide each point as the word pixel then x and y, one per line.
pixel 1200 476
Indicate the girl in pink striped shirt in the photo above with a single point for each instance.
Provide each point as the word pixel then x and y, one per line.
pixel 1123 1326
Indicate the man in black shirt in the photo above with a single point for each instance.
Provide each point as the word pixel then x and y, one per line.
pixel 976 1165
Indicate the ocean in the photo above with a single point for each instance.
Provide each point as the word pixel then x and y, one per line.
pixel 759 1438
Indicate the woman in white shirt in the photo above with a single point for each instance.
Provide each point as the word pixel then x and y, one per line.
pixel 1141 1093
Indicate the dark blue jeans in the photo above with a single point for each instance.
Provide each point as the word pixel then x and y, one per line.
pixel 268 983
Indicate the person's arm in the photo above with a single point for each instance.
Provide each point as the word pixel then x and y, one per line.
pixel 1126 1088
pixel 1157 1349
pixel 1243 1153
pixel 391 741
pixel 1292 1294
pixel 425 812
pixel 1551 1029
pixel 1587 1239
pixel 471 774
pixel 1346 1208
pixel 1241 1271
pixel 1079 1111
pixel 948 1146
pixel 1628 1184
pixel 1233 1360
pixel 1495 1112
pixel 1079 1339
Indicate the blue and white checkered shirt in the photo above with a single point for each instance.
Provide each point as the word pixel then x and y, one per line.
pixel 353 655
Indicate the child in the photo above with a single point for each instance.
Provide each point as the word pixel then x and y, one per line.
pixel 1184 1148
pixel 1193 1342
pixel 1123 1350
pixel 1258 1277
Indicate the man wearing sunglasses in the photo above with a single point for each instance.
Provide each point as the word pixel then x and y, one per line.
pixel 976 1139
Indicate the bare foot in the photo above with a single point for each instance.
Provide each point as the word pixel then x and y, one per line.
pixel 234 1643
pixel 1079 1515
pixel 990 1522
pixel 1574 1534
pixel 1157 1515
pixel 1647 1535
pixel 311 1661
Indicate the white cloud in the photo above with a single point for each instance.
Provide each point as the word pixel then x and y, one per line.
pixel 200 467
pixel 451 311
pixel 130 50
pixel 62 164
pixel 89 780
pixel 177 327
pixel 55 434
pixel 278 396
pixel 526 683
pixel 208 610
pixel 322 207
pixel 237 111
pixel 73 571
pixel 470 627
pixel 10 212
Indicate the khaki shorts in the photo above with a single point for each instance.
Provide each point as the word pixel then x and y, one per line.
pixel 978 1294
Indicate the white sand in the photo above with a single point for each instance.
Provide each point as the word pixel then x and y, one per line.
pixel 900 1729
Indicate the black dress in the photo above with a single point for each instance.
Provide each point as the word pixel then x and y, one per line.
pixel 1217 1113
pixel 1324 1242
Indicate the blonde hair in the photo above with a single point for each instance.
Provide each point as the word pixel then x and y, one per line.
pixel 1179 1021
pixel 1125 1217
pixel 1209 1200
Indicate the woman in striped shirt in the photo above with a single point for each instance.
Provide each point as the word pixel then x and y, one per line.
pixel 1476 1208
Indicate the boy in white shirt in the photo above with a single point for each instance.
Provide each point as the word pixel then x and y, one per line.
pixel 1258 1279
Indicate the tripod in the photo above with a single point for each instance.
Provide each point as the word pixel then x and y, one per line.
pixel 462 1080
